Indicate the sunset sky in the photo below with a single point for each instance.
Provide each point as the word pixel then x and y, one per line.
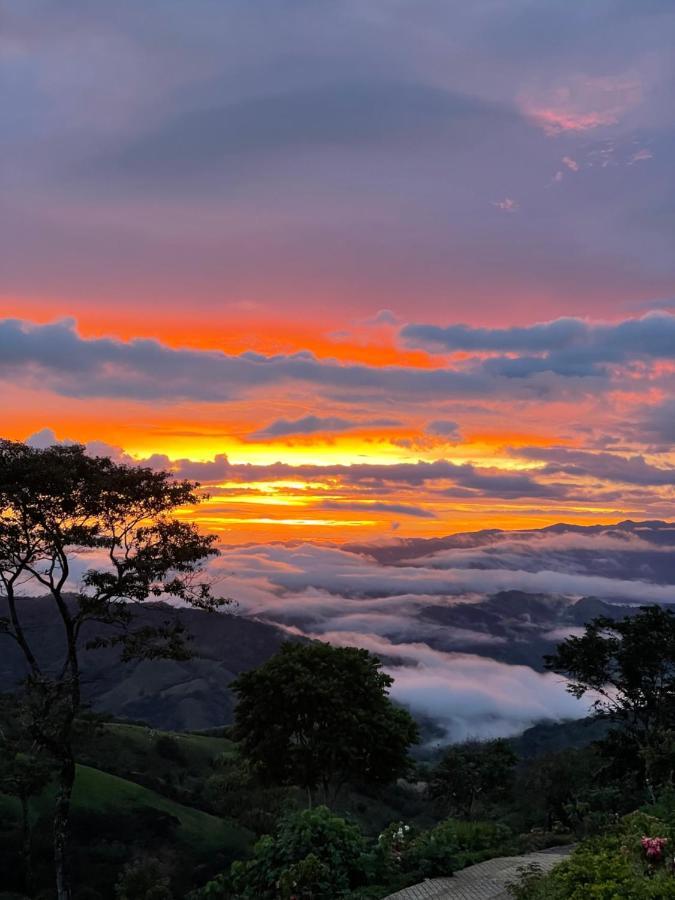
pixel 365 269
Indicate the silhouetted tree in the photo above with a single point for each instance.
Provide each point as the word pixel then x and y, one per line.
pixel 315 715
pixel 59 504
pixel 628 667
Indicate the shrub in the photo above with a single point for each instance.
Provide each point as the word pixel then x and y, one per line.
pixel 312 853
pixel 615 865
pixel 143 879
pixel 454 844
pixel 407 855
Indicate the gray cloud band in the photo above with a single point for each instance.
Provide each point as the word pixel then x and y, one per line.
pixel 566 346
pixel 148 370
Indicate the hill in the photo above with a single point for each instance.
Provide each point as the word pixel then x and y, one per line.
pixel 168 694
pixel 100 792
pixel 138 793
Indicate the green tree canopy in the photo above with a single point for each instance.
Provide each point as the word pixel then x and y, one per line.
pixel 315 715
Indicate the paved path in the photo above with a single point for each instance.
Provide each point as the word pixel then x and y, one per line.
pixel 485 881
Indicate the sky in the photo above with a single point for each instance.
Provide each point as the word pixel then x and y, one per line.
pixel 366 269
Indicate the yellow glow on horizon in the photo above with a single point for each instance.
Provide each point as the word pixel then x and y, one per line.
pixel 337 450
pixel 264 520
pixel 261 500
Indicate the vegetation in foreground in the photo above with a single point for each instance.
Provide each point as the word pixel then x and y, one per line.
pixel 159 815
pixel 632 860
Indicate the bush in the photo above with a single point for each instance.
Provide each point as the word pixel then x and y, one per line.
pixel 616 865
pixel 454 844
pixel 144 879
pixel 406 855
pixel 312 853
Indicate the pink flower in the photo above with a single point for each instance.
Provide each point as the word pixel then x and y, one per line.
pixel 653 847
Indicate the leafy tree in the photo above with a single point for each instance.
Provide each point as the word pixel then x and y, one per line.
pixel 315 715
pixel 473 772
pixel 548 787
pixel 628 666
pixel 57 505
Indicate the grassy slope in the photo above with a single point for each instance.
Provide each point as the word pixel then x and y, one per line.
pixel 127 749
pixel 97 791
pixel 116 752
pixel 121 777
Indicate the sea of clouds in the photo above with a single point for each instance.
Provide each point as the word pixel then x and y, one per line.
pixel 349 596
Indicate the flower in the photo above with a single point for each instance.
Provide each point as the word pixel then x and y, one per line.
pixel 653 847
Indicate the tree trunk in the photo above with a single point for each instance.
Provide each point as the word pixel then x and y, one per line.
pixel 62 828
pixel 26 844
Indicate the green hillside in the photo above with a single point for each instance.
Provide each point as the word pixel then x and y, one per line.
pixel 101 792
pixel 149 756
pixel 138 793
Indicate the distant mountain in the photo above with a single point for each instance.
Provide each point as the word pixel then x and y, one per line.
pixel 599 557
pixel 512 626
pixel 164 693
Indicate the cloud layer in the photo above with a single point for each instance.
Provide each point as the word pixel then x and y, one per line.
pixel 224 152
pixel 462 629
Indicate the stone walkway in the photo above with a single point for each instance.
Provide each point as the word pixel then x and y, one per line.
pixel 485 881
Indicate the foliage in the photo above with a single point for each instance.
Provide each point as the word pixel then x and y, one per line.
pixel 454 844
pixel 144 879
pixel 133 753
pixel 311 853
pixel 117 821
pixel 607 867
pixel 405 855
pixel 629 668
pixel 234 790
pixel 24 774
pixel 553 737
pixel 473 773
pixel 546 787
pixel 315 715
